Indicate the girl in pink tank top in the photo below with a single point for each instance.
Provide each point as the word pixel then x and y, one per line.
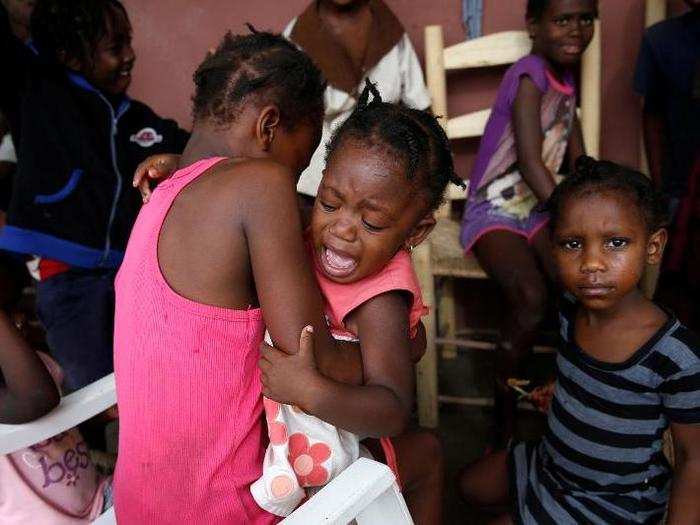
pixel 200 269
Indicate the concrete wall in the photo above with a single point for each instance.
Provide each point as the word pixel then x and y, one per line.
pixel 171 37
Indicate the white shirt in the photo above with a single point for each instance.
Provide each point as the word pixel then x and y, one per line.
pixel 399 78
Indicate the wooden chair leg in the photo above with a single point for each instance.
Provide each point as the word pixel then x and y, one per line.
pixel 446 317
pixel 426 370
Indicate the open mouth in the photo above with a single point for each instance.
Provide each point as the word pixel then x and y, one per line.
pixel 572 49
pixel 336 264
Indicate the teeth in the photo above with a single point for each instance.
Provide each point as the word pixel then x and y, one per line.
pixel 338 261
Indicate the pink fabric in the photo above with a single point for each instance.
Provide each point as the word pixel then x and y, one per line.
pixel 192 437
pixel 52 482
pixel 341 299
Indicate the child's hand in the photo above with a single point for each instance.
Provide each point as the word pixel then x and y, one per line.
pixel 541 397
pixel 155 167
pixel 290 378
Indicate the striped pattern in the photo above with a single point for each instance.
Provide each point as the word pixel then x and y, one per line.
pixel 601 459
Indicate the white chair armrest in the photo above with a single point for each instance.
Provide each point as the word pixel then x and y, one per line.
pixel 365 491
pixel 106 518
pixel 74 408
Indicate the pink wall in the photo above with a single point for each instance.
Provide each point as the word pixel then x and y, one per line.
pixel 172 37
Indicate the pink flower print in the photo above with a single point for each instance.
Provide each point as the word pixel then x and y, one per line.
pixel 276 431
pixel 306 460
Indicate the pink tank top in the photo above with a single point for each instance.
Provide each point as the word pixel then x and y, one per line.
pixel 191 437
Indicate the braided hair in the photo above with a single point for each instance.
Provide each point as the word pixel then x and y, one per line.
pixel 595 177
pixel 262 64
pixel 75 27
pixel 414 136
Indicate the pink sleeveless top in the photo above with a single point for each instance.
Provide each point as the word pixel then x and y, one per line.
pixel 191 437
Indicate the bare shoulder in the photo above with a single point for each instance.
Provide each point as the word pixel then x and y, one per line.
pixel 263 177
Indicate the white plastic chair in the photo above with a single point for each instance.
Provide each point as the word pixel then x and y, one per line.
pixel 74 409
pixel 366 491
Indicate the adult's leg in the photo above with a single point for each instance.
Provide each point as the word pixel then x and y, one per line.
pixel 512 263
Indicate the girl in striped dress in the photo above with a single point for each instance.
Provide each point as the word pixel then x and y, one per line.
pixel 626 371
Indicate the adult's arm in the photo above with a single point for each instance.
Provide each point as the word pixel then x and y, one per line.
pixel 287 290
pixel 529 137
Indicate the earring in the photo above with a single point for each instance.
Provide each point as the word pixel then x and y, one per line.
pixel 409 248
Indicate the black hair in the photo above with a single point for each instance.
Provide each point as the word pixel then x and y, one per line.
pixel 74 26
pixel 536 8
pixel 593 177
pixel 414 136
pixel 266 65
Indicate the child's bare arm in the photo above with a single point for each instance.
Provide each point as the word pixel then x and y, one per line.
pixel 381 407
pixel 684 505
pixel 528 139
pixel 286 288
pixel 576 147
pixel 29 391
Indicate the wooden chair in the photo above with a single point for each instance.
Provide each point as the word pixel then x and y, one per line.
pixel 441 256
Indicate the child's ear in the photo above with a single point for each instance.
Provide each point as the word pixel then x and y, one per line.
pixel 420 231
pixel 266 125
pixel 68 61
pixel 656 245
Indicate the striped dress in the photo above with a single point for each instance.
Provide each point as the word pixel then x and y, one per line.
pixel 601 459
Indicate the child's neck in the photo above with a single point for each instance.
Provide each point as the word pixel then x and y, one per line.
pixel 615 334
pixel 556 69
pixel 208 141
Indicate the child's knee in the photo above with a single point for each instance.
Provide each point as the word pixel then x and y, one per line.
pixel 429 448
pixel 484 483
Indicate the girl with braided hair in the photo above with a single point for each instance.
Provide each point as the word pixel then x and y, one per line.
pixel 387 169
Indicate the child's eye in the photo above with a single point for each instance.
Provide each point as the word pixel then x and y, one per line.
pixel 616 243
pixel 327 207
pixel 562 21
pixel 570 244
pixel 587 20
pixel 371 227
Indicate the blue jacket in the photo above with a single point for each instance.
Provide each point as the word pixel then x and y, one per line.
pixel 72 198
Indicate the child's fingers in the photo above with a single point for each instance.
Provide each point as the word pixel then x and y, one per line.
pixel 306 341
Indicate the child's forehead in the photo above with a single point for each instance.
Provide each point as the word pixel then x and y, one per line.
pixel 600 208
pixel 570 7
